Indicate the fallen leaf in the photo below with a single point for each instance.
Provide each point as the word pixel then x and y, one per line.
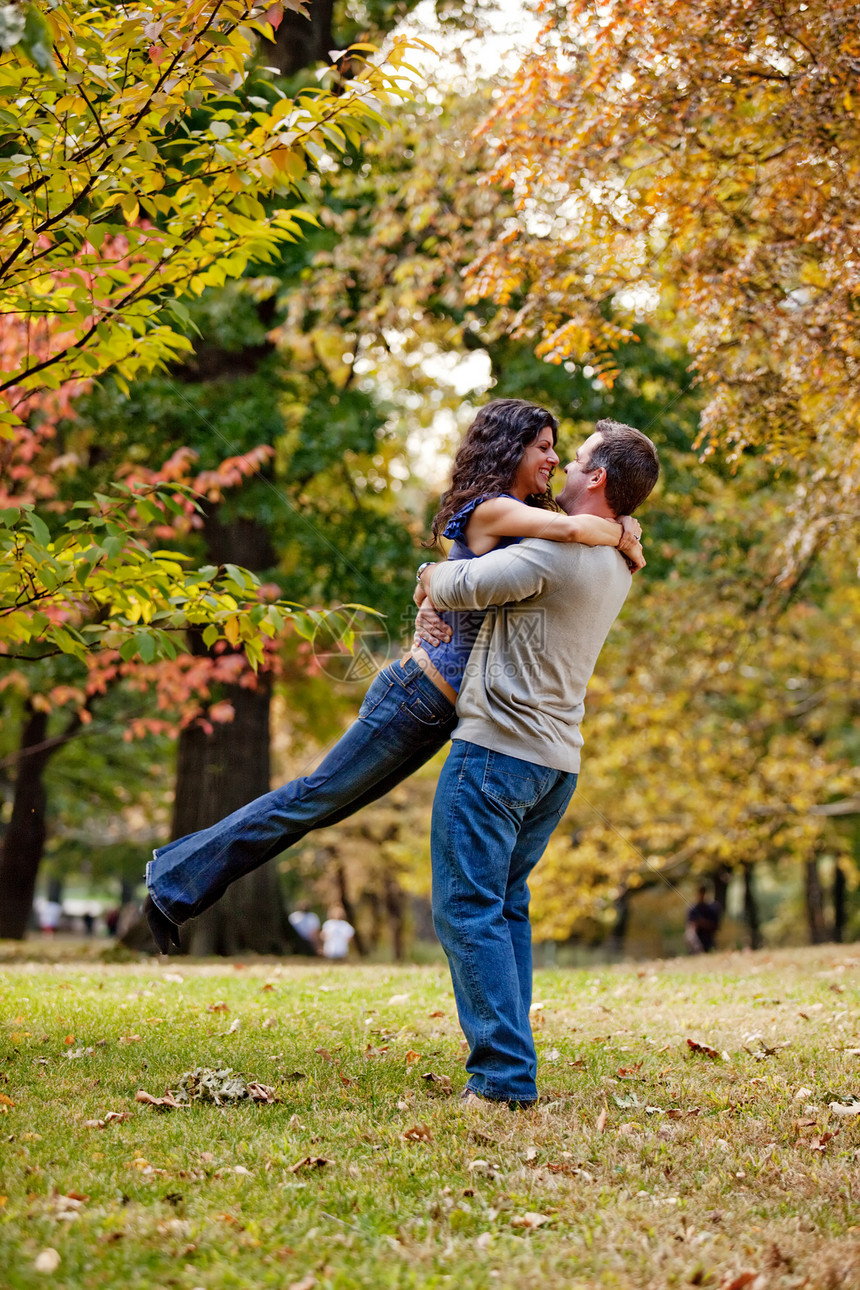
pixel 412 1056
pixel 705 1049
pixel 111 1117
pixel 5 1101
pixel 345 1080
pixel 306 1283
pixel 530 1220
pixel 399 998
pixel 129 1039
pixel 234 1026
pixel 839 1108
pixel 220 1006
pixel 418 1133
pixel 162 1103
pixel 740 1281
pixel 820 1143
pixel 443 1082
pixel 47 1261
pixel 309 1162
pixel 175 977
pixel 323 1053
pixel 266 988
pixel 437 1014
pixel 262 1092
pixel 601 1120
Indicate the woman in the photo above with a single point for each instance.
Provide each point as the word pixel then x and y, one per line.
pixel 506 458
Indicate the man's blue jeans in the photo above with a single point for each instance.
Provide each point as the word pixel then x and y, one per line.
pixel 492 818
pixel 403 722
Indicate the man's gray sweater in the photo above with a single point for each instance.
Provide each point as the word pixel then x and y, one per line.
pixel 524 689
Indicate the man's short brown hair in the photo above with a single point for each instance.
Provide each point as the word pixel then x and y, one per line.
pixel 630 461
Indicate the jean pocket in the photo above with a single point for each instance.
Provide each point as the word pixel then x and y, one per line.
pixel 513 782
pixel 423 712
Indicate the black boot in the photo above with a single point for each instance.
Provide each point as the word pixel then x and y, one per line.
pixel 164 932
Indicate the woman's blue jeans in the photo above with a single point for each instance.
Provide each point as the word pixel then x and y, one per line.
pixel 492 818
pixel 403 722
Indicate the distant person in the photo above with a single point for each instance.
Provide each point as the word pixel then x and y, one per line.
pixel 336 934
pixel 703 921
pixel 307 926
pixel 49 916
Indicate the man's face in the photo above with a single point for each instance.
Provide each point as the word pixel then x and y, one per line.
pixel 577 474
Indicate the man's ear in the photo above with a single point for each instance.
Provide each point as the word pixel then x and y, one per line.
pixel 597 478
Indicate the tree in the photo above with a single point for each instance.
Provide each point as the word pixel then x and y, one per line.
pixel 699 159
pixel 156 136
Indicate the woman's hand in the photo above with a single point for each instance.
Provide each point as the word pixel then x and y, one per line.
pixel 630 546
pixel 429 627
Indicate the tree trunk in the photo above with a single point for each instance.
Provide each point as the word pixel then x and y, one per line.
pixel 619 927
pixel 394 905
pixel 815 904
pixel 721 878
pixel 25 835
pixel 751 913
pixel 840 902
pixel 217 773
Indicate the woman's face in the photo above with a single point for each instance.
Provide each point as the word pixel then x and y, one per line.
pixel 536 466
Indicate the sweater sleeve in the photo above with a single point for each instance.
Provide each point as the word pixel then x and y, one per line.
pixel 498 578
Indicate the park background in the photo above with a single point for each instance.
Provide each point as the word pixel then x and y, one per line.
pixel 255 288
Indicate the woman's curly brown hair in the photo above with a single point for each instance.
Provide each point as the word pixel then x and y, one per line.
pixel 487 459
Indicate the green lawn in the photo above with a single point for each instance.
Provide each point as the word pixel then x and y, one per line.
pixel 648 1164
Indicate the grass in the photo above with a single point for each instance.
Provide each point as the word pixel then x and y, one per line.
pixel 649 1164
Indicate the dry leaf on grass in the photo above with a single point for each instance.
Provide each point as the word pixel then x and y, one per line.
pixel 166 1103
pixel 234 1025
pixel 742 1281
pixel 128 1039
pixel 309 1162
pixel 48 1261
pixel 440 1082
pixel 601 1120
pixel 323 1053
pixel 705 1049
pixel 840 1108
pixel 5 1101
pixel 110 1117
pixel 220 1006
pixel 399 998
pixel 412 1056
pixel 418 1133
pixel 820 1142
pixel 306 1283
pixel 437 1014
pixel 531 1220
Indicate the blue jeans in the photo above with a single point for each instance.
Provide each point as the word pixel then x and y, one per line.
pixel 492 818
pixel 403 722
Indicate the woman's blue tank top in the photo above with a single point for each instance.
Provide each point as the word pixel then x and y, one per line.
pixel 451 657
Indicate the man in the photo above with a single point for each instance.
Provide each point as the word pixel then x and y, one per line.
pixel 513 765
pixel 703 921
